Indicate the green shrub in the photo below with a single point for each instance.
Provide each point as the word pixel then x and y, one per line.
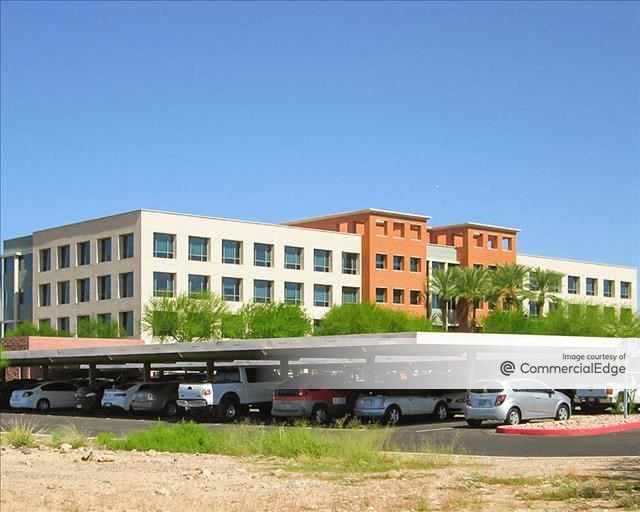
pixel 94 328
pixel 28 329
pixel 22 432
pixel 68 434
pixel 566 320
pixel 369 318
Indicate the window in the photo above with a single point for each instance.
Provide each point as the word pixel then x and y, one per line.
pixel 80 320
pixel 414 297
pixel 293 258
pixel 381 295
pixel 64 256
pixel 592 286
pixel 534 310
pixel 415 232
pixel 381 227
pixel 83 289
pixel 398 230
pixel 163 284
pixel 478 240
pixel 436 301
pixel 350 295
pixel 322 295
pixel 64 292
pixel 349 263
pixel 104 250
pixel 398 263
pixel 625 290
pixel 573 285
pixel 381 261
pixel 44 321
pixel 231 289
pixel 435 265
pixel 506 243
pixel 263 255
pixel 63 324
pixel 262 290
pixel 126 321
pixel 478 266
pixel 45 260
pixel 608 289
pixel 198 248
pixel 126 246
pixel 104 287
pixel 492 241
pixel 163 245
pixel 398 296
pixel 198 284
pixel 415 264
pixel 231 252
pixel 45 294
pixel 84 253
pixel 321 260
pixel 533 283
pixel 293 293
pixel 104 318
pixel 126 285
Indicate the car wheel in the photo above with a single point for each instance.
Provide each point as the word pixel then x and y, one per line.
pixel 563 413
pixel 474 423
pixel 171 409
pixel 441 412
pixel 513 416
pixel 43 405
pixel 392 415
pixel 229 409
pixel 319 414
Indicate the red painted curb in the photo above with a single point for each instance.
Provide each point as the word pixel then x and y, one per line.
pixel 568 432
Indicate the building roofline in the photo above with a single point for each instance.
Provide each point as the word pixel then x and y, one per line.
pixel 577 261
pixel 469 224
pixel 377 211
pixel 193 215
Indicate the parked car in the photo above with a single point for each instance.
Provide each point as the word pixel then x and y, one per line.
pixel 44 396
pixel 515 401
pixel 120 396
pixel 304 398
pixel 390 407
pixel 159 397
pixel 8 387
pixel 232 392
pixel 456 400
pixel 599 400
pixel 89 398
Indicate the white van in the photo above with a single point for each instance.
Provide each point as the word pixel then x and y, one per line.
pixel 233 391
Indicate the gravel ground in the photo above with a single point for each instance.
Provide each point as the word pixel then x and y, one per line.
pixel 46 479
pixel 580 422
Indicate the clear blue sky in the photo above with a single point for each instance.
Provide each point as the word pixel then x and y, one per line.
pixel 523 115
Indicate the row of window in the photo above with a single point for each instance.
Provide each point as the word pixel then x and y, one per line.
pixel 263 254
pixel 592 288
pixel 398 296
pixel 83 289
pixel 83 253
pixel 232 289
pixel 415 263
pixel 63 323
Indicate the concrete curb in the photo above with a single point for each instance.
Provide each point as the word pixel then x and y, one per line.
pixel 568 432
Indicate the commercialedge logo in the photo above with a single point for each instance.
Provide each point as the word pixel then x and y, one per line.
pixel 507 368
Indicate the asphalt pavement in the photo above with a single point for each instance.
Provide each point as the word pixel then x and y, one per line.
pixel 406 437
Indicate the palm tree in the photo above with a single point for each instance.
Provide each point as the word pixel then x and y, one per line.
pixel 507 283
pixel 472 285
pixel 543 284
pixel 442 282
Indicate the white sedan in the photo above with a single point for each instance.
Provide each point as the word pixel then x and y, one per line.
pixel 120 396
pixel 44 396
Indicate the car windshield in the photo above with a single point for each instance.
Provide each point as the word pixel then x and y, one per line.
pixel 125 386
pixel 487 387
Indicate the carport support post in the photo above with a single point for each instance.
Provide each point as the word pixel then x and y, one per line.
pixel 284 368
pixel 146 373
pixel 3 374
pixel 210 370
pixel 92 375
pixel 45 372
pixel 370 373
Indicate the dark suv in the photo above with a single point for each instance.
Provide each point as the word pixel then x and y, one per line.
pixel 88 398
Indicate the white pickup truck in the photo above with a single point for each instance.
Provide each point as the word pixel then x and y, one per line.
pixel 233 391
pixel 611 397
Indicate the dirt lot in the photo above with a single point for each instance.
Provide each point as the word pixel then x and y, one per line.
pixel 46 479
